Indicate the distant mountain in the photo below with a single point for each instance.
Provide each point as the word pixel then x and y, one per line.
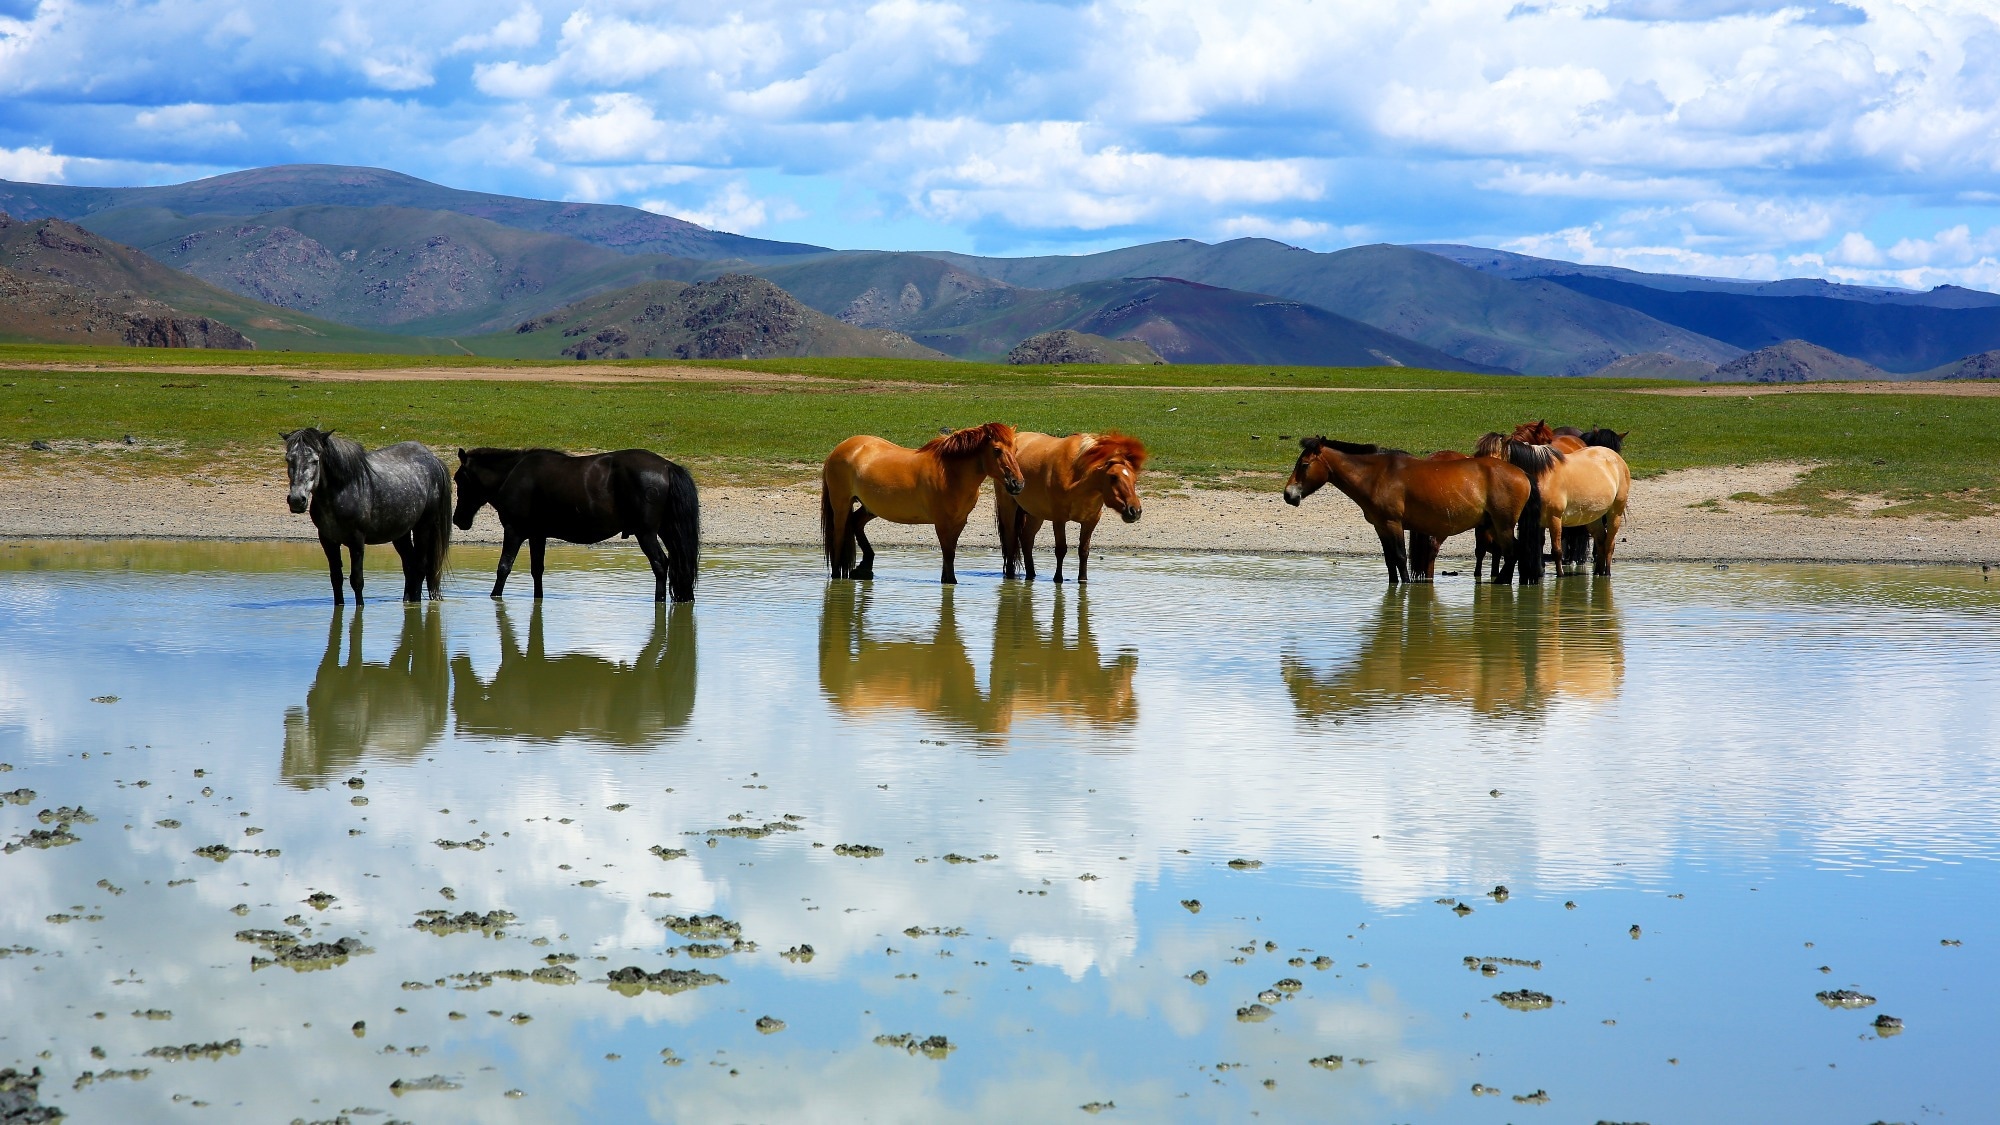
pixel 881 289
pixel 1536 326
pixel 1795 361
pixel 67 285
pixel 1985 365
pixel 1655 365
pixel 1065 346
pixel 1503 263
pixel 735 316
pixel 436 273
pixel 256 191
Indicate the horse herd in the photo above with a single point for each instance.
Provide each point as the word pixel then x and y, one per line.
pixel 1511 489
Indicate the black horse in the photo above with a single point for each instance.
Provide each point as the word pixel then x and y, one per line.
pixel 543 494
pixel 399 494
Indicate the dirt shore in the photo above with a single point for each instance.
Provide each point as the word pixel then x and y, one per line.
pixel 1683 515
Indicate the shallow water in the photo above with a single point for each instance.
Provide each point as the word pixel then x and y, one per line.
pixel 1768 770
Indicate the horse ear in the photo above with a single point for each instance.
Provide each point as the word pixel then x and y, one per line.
pixel 461 453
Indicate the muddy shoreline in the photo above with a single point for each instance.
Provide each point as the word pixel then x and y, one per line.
pixel 1683 516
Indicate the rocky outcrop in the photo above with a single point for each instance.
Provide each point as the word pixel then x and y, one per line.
pixel 1066 346
pixel 1655 365
pixel 40 307
pixel 1985 365
pixel 1794 361
pixel 150 330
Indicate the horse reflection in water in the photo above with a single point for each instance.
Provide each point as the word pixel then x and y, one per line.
pixel 356 710
pixel 545 698
pixel 1032 673
pixel 1504 653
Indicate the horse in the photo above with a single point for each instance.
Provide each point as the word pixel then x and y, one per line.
pixel 1396 491
pixel 399 494
pixel 1424 549
pixel 937 484
pixel 1588 486
pixel 544 494
pixel 1067 479
pixel 1570 439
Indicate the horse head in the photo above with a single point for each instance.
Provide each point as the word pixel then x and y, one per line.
pixel 1534 433
pixel 996 457
pixel 303 449
pixel 1309 473
pixel 1114 461
pixel 474 490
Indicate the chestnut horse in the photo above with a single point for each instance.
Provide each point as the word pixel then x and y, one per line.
pixel 1396 491
pixel 1068 479
pixel 1586 487
pixel 1424 549
pixel 937 484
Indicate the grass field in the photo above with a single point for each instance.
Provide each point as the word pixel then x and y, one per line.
pixel 1930 454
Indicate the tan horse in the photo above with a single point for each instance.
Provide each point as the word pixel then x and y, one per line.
pixel 937 484
pixel 1587 487
pixel 1068 480
pixel 1396 491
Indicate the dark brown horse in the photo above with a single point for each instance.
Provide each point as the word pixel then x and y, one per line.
pixel 1397 492
pixel 1424 549
pixel 544 494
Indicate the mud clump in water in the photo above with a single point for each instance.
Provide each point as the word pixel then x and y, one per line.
pixel 934 931
pixel 1844 998
pixel 443 922
pixel 750 832
pixel 319 900
pixel 858 851
pixel 933 1047
pixel 67 814
pixel 306 957
pixel 665 852
pixel 1886 1026
pixel 1525 1000
pixel 91 1077
pixel 1199 976
pixel 633 980
pixel 474 845
pixel 20 797
pixel 1193 905
pixel 702 926
pixel 1097 1107
pixel 1246 864
pixel 436 1082
pixel 1539 1097
pixel 1254 1013
pixel 798 954
pixel 153 1014
pixel 220 852
pixel 1327 1062
pixel 44 838
pixel 184 1052
pixel 20 1096
pixel 954 857
pixel 770 1025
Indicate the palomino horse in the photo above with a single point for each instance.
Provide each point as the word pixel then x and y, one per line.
pixel 1569 439
pixel 1588 487
pixel 1396 491
pixel 1067 479
pixel 937 484
pixel 399 494
pixel 544 494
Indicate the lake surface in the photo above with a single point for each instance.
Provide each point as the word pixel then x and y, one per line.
pixel 1710 794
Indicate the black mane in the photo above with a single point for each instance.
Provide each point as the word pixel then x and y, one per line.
pixel 1313 445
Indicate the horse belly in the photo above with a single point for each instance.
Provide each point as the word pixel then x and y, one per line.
pixel 894 504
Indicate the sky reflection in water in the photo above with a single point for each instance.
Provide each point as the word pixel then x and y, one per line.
pixel 1738 762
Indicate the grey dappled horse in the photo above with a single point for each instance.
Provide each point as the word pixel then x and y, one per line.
pixel 399 494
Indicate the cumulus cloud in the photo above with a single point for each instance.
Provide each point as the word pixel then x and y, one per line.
pixel 35 165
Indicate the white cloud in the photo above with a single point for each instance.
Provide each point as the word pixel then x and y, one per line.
pixel 522 29
pixel 731 209
pixel 33 165
pixel 189 121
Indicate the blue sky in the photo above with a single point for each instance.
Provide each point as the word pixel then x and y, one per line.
pixel 1858 140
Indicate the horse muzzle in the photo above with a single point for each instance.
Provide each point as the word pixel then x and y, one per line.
pixel 297 503
pixel 1293 495
pixel 1129 514
pixel 1013 485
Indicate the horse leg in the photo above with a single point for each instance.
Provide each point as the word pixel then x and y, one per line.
pixel 656 555
pixel 1062 549
pixel 509 547
pixel 1556 542
pixel 1083 533
pixel 1007 518
pixel 354 553
pixel 858 527
pixel 948 542
pixel 1030 529
pixel 537 546
pixel 413 575
pixel 333 569
pixel 1392 551
pixel 1607 542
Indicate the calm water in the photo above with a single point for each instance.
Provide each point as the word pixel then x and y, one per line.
pixel 1788 778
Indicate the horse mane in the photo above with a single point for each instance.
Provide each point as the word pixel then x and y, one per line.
pixel 341 458
pixel 1531 459
pixel 1490 444
pixel 1607 438
pixel 1107 447
pixel 1567 431
pixel 969 441
pixel 1351 448
pixel 1533 433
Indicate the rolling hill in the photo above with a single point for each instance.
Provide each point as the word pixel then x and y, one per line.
pixel 430 273
pixel 256 191
pixel 735 316
pixel 68 285
pixel 1536 327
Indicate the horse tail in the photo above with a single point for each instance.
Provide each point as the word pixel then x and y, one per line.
pixel 435 534
pixel 1533 460
pixel 682 532
pixel 835 554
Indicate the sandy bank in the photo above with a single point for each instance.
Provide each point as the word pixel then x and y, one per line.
pixel 1664 524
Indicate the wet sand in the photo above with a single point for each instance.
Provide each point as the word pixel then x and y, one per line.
pixel 1664 525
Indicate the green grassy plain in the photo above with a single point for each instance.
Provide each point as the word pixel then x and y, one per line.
pixel 1931 455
